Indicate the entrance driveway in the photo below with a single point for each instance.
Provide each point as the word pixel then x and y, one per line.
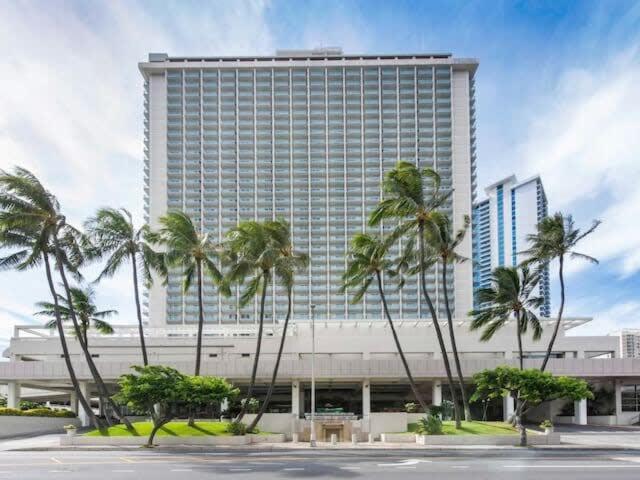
pixel 596 436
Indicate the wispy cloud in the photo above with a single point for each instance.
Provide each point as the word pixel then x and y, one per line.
pixel 584 142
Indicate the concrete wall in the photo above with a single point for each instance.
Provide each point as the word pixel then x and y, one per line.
pixel 18 426
pixel 272 422
pixel 395 422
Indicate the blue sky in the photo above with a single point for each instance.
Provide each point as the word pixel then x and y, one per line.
pixel 557 94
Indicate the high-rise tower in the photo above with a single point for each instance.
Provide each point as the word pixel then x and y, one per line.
pixel 308 136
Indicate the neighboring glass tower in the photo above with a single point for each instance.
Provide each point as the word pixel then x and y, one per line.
pixel 308 136
pixel 501 224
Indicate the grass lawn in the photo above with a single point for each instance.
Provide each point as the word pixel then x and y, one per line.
pixel 171 429
pixel 473 428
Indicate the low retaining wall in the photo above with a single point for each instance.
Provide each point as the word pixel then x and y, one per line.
pixel 11 426
pixel 398 437
pixel 272 422
pixel 485 440
pixel 387 422
pixel 81 440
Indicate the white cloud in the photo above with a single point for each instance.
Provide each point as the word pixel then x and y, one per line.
pixel 612 318
pixel 584 142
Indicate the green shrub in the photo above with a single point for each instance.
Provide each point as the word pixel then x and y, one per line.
pixel 236 428
pixel 546 424
pixel 13 412
pixel 37 412
pixel 430 425
pixel 253 406
pixel 29 405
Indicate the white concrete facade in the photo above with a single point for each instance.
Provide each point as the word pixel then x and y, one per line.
pixel 309 138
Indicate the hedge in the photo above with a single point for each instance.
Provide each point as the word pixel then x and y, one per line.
pixel 37 412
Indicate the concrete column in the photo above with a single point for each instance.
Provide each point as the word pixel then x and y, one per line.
pixel 296 406
pixel 13 395
pixel 508 354
pixel 618 400
pixel 73 402
pixel 580 412
pixel 82 414
pixel 436 393
pixel 366 405
pixel 508 407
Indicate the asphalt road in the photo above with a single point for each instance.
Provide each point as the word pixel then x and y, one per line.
pixel 299 464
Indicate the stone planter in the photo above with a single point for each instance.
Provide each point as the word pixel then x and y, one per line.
pixel 71 432
pixel 548 430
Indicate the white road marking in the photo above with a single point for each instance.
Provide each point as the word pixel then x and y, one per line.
pixel 627 459
pixel 404 463
pixel 181 470
pixel 55 460
pixel 123 471
pixel 240 469
pixel 293 469
pixel 611 465
pixel 350 468
pixel 460 466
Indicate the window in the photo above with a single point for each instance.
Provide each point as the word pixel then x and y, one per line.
pixel 631 398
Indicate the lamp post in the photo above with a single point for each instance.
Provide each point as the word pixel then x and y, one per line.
pixel 312 442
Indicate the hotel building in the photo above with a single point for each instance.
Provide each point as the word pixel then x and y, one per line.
pixel 501 224
pixel 308 136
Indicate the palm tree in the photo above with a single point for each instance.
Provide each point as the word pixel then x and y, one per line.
pixel 193 252
pixel 252 254
pixel 112 233
pixel 367 263
pixel 28 220
pixel 412 197
pixel 441 239
pixel 286 265
pixel 88 314
pixel 556 238
pixel 510 296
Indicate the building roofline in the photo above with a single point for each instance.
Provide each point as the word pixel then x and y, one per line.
pixel 162 61
pixel 509 179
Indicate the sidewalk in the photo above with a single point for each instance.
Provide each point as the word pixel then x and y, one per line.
pixel 570 443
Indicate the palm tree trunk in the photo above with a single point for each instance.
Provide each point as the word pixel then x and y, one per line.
pixel 102 388
pixel 559 319
pixel 434 317
pixel 519 333
pixel 521 428
pixel 454 347
pixel 200 319
pixel 191 421
pixel 254 372
pixel 263 407
pixel 414 387
pixel 65 350
pixel 136 294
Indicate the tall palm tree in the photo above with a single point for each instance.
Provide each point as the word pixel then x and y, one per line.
pixel 113 233
pixel 252 254
pixel 510 296
pixel 556 238
pixel 442 240
pixel 88 314
pixel 28 219
pixel 412 197
pixel 286 265
pixel 192 251
pixel 367 263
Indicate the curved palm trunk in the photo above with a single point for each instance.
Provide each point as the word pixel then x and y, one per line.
pixel 102 388
pixel 191 421
pixel 136 293
pixel 200 320
pixel 559 319
pixel 263 407
pixel 414 387
pixel 243 408
pixel 454 347
pixel 434 317
pixel 65 350
pixel 519 333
